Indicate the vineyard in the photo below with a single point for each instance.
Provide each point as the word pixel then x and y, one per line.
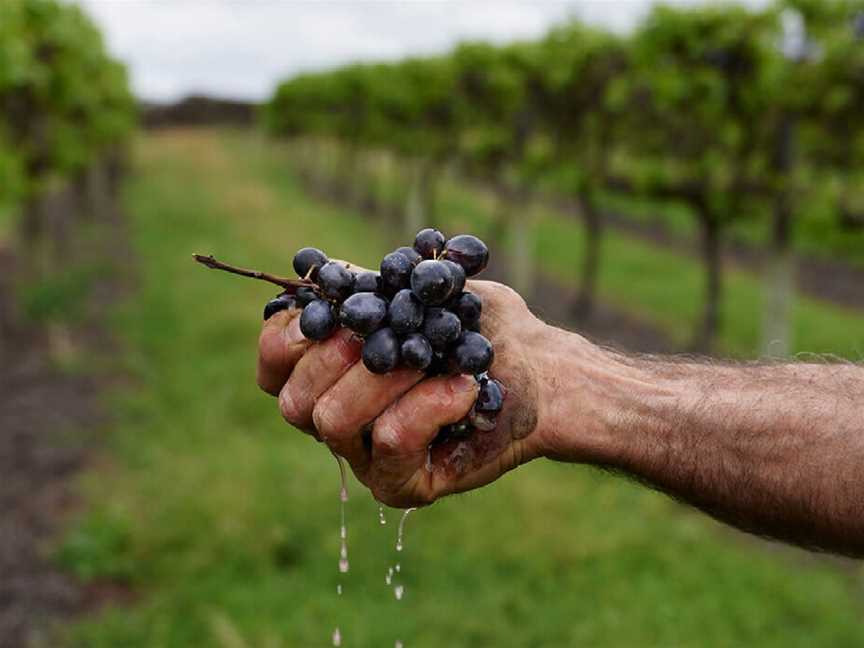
pixel 748 123
pixel 695 185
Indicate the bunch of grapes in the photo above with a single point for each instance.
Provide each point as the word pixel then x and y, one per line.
pixel 414 312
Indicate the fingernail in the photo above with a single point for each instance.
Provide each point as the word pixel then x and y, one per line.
pixel 462 383
pixel 293 334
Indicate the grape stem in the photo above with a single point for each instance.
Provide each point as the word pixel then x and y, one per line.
pixel 290 285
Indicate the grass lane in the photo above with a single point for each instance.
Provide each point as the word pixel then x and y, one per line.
pixel 225 520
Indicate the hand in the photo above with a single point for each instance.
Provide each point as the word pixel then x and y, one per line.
pixel 383 424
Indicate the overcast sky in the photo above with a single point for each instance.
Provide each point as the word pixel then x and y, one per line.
pixel 241 48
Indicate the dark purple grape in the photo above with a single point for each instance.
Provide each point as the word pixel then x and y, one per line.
pixel 336 281
pixel 469 252
pixel 467 307
pixel 317 321
pixel 280 303
pixel 410 253
pixel 395 273
pixel 453 431
pixel 367 282
pixel 309 261
pixel 416 352
pixel 363 313
pixel 441 328
pixel 458 273
pixel 304 296
pixel 405 312
pixel 473 353
pixel 432 282
pixel 381 351
pixel 440 364
pixel 490 398
pixel 429 243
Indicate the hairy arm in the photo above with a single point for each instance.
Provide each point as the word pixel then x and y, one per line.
pixel 774 449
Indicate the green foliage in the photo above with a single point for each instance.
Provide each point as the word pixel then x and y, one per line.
pixel 225 521
pixel 63 100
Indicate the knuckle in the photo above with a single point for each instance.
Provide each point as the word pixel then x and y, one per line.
pixel 388 435
pixel 291 410
pixel 328 418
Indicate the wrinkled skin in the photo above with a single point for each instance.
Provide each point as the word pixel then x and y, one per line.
pixel 383 424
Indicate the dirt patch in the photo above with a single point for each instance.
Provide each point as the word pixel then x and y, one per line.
pixel 49 427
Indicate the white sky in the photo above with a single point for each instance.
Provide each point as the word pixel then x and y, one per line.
pixel 241 48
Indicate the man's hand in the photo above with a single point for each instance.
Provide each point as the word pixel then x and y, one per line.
pixel 384 424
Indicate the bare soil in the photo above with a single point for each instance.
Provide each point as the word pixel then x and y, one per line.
pixel 50 422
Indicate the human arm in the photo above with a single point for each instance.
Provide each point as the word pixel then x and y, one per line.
pixel 772 449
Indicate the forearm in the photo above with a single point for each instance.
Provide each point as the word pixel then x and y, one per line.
pixel 773 449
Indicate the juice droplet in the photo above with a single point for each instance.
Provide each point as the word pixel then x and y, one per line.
pixel 381 519
pixel 339 589
pixel 398 644
pixel 398 567
pixel 343 566
pixel 337 637
pixel 389 577
pixel 402 528
pixel 399 590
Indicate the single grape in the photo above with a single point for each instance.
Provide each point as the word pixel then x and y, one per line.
pixel 429 243
pixel 317 321
pixel 367 282
pixel 411 254
pixel 363 313
pixel 469 252
pixel 405 312
pixel 453 431
pixel 395 273
pixel 309 261
pixel 336 281
pixel 416 352
pixel 381 351
pixel 305 295
pixel 440 364
pixel 490 398
pixel 280 303
pixel 432 282
pixel 441 328
pixel 467 306
pixel 473 353
pixel 458 273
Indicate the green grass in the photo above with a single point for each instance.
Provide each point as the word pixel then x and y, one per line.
pixel 225 521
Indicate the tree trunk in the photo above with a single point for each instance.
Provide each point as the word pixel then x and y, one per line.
pixel 414 218
pixel 429 175
pixel 778 288
pixel 709 324
pixel 513 232
pixel 521 250
pixel 592 221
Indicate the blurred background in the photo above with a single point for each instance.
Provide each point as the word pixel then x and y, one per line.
pixel 684 177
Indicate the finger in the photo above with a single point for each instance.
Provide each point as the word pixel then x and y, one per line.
pixel 280 345
pixel 403 433
pixel 319 368
pixel 350 405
